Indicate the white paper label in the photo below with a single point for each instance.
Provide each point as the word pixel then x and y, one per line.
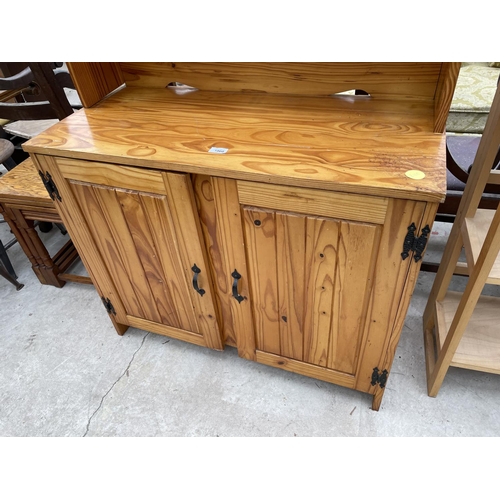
pixel 219 151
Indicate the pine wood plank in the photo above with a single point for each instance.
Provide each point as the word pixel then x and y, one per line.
pixel 479 348
pixel 103 239
pixel 260 241
pixel 444 94
pixel 317 372
pixel 329 144
pixel 169 331
pixel 162 229
pixel 389 292
pixel 230 236
pixel 23 183
pixel 321 263
pixel 152 286
pixel 291 271
pixel 188 239
pixel 394 79
pixel 356 255
pixel 474 231
pixel 95 80
pixel 313 201
pixel 114 176
pixel 221 269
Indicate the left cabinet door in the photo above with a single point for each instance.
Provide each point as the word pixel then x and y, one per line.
pixel 143 224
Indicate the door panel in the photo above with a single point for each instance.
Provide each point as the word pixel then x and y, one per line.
pixel 310 281
pixel 150 242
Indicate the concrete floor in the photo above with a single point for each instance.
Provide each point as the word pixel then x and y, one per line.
pixel 65 372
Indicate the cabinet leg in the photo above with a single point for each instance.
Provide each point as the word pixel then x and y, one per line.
pixel 377 399
pixel 119 327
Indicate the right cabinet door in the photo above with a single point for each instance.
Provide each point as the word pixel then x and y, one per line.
pixel 328 286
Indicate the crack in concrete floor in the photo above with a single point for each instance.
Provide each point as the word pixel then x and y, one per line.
pixel 113 385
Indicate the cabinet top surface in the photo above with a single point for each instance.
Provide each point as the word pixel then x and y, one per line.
pixel 342 143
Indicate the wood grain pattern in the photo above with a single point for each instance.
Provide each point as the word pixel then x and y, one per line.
pixel 356 256
pixel 389 279
pixel 474 231
pixel 150 181
pixel 444 94
pixel 410 280
pixel 76 224
pixel 23 183
pixel 321 262
pixel 260 243
pixel 360 146
pixel 313 201
pixel 229 234
pixel 378 79
pixel 317 372
pixel 153 282
pixel 95 80
pixel 144 324
pixel 189 237
pixel 479 348
pixel 102 237
pixel 291 271
pixel 162 228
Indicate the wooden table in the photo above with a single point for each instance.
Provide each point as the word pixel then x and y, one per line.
pixel 24 200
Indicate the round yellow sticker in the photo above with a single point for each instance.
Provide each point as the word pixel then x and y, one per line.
pixel 415 174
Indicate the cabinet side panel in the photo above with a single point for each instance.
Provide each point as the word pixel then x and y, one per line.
pixel 389 279
pixel 409 285
pixel 80 235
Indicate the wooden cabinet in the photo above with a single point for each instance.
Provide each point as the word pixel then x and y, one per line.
pixel 289 226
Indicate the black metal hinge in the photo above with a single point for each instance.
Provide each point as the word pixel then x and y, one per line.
pixel 50 186
pixel 379 378
pixel 413 244
pixel 108 305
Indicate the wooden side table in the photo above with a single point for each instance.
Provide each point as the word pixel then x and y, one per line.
pixel 24 199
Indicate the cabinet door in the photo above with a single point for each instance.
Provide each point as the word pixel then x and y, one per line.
pixel 310 280
pixel 325 284
pixel 143 224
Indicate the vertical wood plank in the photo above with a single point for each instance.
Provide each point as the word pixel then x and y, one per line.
pixel 102 236
pixel 230 237
pixel 221 270
pixel 119 230
pixel 260 239
pixel 357 251
pixel 160 307
pixel 189 240
pixel 95 80
pixel 159 218
pixel 291 256
pixel 321 262
pixel 444 94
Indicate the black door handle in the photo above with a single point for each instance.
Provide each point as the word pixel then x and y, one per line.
pixel 236 275
pixel 196 270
